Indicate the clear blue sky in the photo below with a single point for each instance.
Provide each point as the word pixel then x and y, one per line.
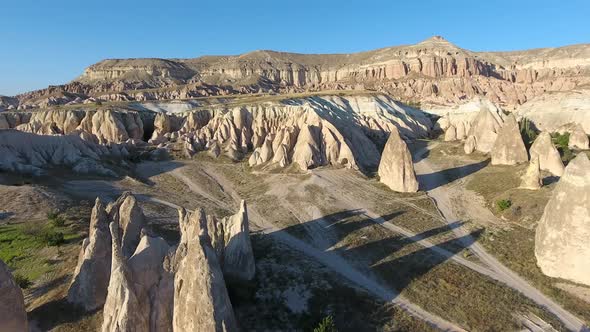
pixel 51 42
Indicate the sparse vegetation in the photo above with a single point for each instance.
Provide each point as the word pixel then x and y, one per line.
pixel 22 281
pixel 326 325
pixel 561 140
pixel 53 238
pixel 56 219
pixel 503 204
pixel 528 132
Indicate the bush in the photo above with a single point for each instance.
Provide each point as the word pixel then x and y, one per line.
pixel 55 219
pixel 561 140
pixel 22 281
pixel 53 238
pixel 326 325
pixel 528 132
pixel 503 204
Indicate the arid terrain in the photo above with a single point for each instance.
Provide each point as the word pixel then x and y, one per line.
pixel 411 188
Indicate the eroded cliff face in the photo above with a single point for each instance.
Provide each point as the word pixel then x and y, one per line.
pixel 433 71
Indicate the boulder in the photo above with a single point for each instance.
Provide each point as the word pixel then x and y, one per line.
pixel 531 179
pixel 396 168
pixel 509 149
pixel 561 241
pixel 91 277
pixel 123 311
pixel 13 315
pixel 201 301
pixel 578 138
pixel 238 257
pixel 549 159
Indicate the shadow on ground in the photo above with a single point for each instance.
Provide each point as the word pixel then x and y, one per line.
pixel 440 178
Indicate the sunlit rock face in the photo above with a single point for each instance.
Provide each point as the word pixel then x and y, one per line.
pixel 561 241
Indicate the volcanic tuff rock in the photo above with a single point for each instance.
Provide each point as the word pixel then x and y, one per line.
pixel 561 241
pixel 509 148
pixel 552 110
pixel 311 132
pixel 91 277
pixel 470 144
pixel 549 159
pixel 578 138
pixel 431 71
pixel 201 301
pixel 238 257
pixel 450 134
pixel 31 154
pixel 532 179
pixel 396 168
pixel 485 129
pixel 123 311
pixel 131 221
pixel 13 316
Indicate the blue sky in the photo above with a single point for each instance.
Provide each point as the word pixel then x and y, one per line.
pixel 51 42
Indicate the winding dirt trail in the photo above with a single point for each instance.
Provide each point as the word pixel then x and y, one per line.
pixel 441 196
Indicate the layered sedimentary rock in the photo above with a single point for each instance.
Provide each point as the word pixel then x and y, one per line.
pixel 396 168
pixel 13 315
pixel 238 257
pixel 123 311
pixel 549 158
pixel 201 301
pixel 561 241
pixel 431 71
pixel 509 149
pixel 32 154
pixel 91 277
pixel 578 138
pixel 532 179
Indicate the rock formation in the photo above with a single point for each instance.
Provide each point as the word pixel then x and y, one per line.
pixel 238 257
pixel 450 134
pixel 532 179
pixel 509 148
pixel 396 168
pixel 470 144
pixel 561 241
pixel 32 154
pixel 131 221
pixel 201 302
pixel 91 277
pixel 122 311
pixel 433 71
pixel 549 159
pixel 154 286
pixel 13 316
pixel 485 129
pixel 578 138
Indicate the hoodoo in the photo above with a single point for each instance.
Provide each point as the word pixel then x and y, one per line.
pixel 396 168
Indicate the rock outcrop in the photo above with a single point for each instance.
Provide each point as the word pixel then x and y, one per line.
pixel 91 277
pixel 509 149
pixel 13 315
pixel 450 134
pixel 532 179
pixel 396 168
pixel 470 144
pixel 201 301
pixel 485 129
pixel 131 221
pixel 561 241
pixel 549 159
pixel 238 257
pixel 578 138
pixel 32 154
pixel 123 311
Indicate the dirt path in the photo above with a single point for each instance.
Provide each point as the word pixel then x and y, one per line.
pixel 330 259
pixel 442 198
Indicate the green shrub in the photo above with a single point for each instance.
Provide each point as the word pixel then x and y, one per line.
pixel 561 140
pixel 53 238
pixel 22 281
pixel 55 219
pixel 528 132
pixel 326 325
pixel 503 204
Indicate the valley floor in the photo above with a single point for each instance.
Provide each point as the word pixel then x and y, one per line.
pixel 327 242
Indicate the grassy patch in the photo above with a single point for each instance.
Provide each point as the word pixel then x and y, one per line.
pixel 21 244
pixel 503 204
